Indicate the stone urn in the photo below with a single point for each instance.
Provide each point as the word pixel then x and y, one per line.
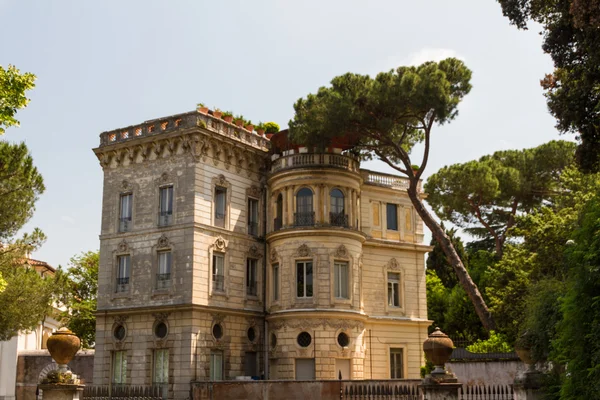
pixel 63 345
pixel 438 348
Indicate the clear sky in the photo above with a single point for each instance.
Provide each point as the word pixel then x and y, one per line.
pixel 102 65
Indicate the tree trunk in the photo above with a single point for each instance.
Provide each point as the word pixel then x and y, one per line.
pixel 464 278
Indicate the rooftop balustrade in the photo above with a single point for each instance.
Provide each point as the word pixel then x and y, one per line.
pixel 301 160
pixel 386 180
pixel 183 121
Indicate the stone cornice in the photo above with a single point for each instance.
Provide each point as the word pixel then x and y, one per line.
pixel 316 231
pixel 177 308
pixel 423 248
pixel 201 136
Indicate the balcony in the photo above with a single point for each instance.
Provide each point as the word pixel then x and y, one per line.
pixel 338 219
pixel 165 218
pixel 303 160
pixel 122 285
pixel 125 224
pixel 386 180
pixel 277 224
pixel 304 219
pixel 163 281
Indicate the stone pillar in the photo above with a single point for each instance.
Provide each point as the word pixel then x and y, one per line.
pixel 440 384
pixel 353 223
pixel 61 392
pixel 441 391
pixel 284 208
pixel 291 209
pixel 529 387
pixel 317 205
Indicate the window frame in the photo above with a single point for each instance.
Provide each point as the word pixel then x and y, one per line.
pixel 125 224
pixel 308 216
pixel 118 276
pixel 220 192
pixel 158 278
pixel 211 366
pixel 216 255
pixel 256 232
pixel 275 282
pixel 220 182
pixel 166 217
pixel 338 217
pixel 123 371
pixel 388 207
pixel 304 262
pixel 155 364
pixel 395 269
pixel 249 261
pixel 339 285
pixel 397 349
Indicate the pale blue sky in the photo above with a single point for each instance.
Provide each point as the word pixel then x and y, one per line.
pixel 102 65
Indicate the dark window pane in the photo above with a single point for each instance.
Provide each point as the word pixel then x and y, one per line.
pixel 392 217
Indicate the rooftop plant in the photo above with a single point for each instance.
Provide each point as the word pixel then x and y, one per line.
pixel 271 127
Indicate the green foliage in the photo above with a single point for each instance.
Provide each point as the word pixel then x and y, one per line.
pixel 496 343
pixel 27 297
pixel 239 117
pixel 13 86
pixel 271 127
pixel 247 122
pixel 80 296
pixel 437 261
pixel 227 114
pixel 58 378
pixel 427 368
pixel 485 196
pixel 578 338
pixel 200 105
pixel 20 186
pixel 571 36
pixel 260 126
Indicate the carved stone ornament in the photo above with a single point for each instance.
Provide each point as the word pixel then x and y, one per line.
pixel 164 178
pixel 303 251
pixel 159 343
pixel 341 252
pixel 316 323
pixel 274 255
pixel 123 246
pixel 120 319
pixel 253 252
pixel 254 191
pixel 163 241
pixel 125 185
pixel 218 318
pixel 393 264
pixel 161 317
pixel 221 181
pixel 220 244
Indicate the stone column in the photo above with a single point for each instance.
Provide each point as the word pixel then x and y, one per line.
pixel 317 205
pixel 291 208
pixel 284 208
pixel 61 392
pixel 353 224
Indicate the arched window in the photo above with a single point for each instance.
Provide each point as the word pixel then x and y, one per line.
pixel 279 213
pixel 305 215
pixel 337 215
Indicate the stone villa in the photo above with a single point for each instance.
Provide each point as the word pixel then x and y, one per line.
pixel 225 253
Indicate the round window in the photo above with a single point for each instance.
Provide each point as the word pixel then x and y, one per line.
pixel 217 331
pixel 304 339
pixel 273 340
pixel 251 334
pixel 161 330
pixel 119 332
pixel 343 339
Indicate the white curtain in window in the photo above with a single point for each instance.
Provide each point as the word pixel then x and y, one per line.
pixel 164 262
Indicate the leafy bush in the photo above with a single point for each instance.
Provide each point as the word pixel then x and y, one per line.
pixel 495 344
pixel 56 377
pixel 227 114
pixel 271 127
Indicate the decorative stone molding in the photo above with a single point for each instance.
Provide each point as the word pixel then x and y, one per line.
pixel 393 264
pixel 217 318
pixel 274 255
pixel 303 251
pixel 163 242
pixel 253 252
pixel 222 181
pixel 123 247
pixel 341 252
pixel 126 185
pixel 120 319
pixel 220 244
pixel 160 317
pixel 310 323
pixel 254 191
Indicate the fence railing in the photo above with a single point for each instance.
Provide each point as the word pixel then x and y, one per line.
pixel 397 390
pixel 482 392
pixel 123 392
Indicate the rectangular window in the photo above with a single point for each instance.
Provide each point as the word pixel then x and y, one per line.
pixel 392 217
pixel 393 289
pixel 305 369
pixel 304 278
pixel 251 279
pixel 161 366
pixel 125 212
pixel 163 276
pixel 119 367
pixel 275 278
pixel 218 272
pixel 123 271
pixel 253 217
pixel 216 366
pixel 396 364
pixel 341 280
pixel 220 199
pixel 165 216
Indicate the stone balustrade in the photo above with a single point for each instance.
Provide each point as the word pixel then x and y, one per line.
pixel 385 180
pixel 183 121
pixel 301 160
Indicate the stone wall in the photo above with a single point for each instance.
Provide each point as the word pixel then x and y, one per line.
pixel 35 364
pixel 486 372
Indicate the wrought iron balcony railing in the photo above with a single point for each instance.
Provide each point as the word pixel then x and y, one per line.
pixel 122 284
pixel 253 228
pixel 124 224
pixel 277 224
pixel 304 218
pixel 338 219
pixel 252 289
pixel 165 218
pixel 163 281
pixel 220 220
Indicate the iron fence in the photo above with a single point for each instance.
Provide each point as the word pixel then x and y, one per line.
pixel 119 392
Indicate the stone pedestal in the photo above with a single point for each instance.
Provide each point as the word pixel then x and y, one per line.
pixel 61 392
pixel 441 386
pixel 529 386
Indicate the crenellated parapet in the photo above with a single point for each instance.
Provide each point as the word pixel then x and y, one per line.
pixel 202 136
